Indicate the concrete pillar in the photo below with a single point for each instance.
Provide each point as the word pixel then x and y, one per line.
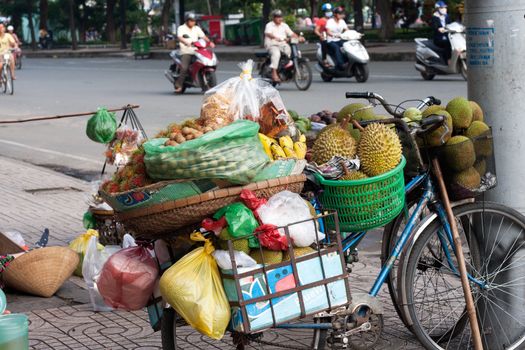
pixel 496 80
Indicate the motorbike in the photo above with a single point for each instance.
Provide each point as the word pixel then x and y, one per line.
pixel 18 58
pixel 356 59
pixel 429 57
pixel 201 71
pixel 294 68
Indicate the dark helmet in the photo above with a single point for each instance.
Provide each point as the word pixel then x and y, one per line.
pixel 440 4
pixel 339 10
pixel 277 13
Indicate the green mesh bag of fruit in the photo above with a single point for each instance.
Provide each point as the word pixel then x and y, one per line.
pixel 101 127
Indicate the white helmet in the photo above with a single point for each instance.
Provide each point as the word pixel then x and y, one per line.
pixel 10 28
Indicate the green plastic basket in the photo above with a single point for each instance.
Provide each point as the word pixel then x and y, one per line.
pixel 365 204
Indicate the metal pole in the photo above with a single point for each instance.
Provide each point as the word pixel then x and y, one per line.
pixel 496 80
pixel 467 293
pixel 176 10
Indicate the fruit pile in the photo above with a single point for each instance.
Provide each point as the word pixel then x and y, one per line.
pixel 186 131
pixel 284 148
pixel 119 150
pixel 132 175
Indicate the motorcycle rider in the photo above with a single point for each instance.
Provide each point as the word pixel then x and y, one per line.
pixel 7 42
pixel 320 30
pixel 276 33
pixel 440 19
pixel 187 51
pixel 334 28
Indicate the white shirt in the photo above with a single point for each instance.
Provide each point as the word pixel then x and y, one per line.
pixel 335 28
pixel 281 31
pixel 195 33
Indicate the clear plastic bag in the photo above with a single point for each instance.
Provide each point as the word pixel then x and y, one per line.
pixel 193 286
pixel 128 278
pixel 91 267
pixel 286 208
pixel 232 153
pixel 244 97
pixel 80 245
pixel 241 259
pixel 121 149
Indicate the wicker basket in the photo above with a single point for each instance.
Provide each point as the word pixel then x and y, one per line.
pixel 42 271
pixel 158 220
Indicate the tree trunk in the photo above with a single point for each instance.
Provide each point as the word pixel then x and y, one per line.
pixel 44 10
pixel 123 38
pixel 358 16
pixel 384 8
pixel 313 8
pixel 31 24
pixel 110 22
pixel 74 43
pixel 82 28
pixel 165 15
pixel 267 7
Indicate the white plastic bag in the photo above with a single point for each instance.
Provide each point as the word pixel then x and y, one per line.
pixel 94 259
pixel 241 259
pixel 286 208
pixel 128 241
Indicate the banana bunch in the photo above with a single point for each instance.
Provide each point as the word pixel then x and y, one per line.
pixel 285 148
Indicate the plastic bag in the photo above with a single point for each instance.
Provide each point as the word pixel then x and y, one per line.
pixel 215 226
pixel 240 219
pixel 80 245
pixel 286 208
pixel 241 259
pixel 91 267
pixel 270 237
pixel 250 199
pixel 101 127
pixel 88 221
pixel 128 278
pixel 121 148
pixel 232 153
pixel 194 288
pixel 17 238
pixel 246 98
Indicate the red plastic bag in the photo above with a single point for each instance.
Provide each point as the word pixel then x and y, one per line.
pixel 251 201
pixel 269 237
pixel 128 278
pixel 215 226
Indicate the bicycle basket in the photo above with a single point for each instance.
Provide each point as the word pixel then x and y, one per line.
pixel 469 167
pixel 365 204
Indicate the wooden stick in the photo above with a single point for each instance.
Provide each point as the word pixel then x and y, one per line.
pixel 357 125
pixel 469 300
pixel 64 115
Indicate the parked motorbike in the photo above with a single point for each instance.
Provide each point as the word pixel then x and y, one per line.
pixel 294 68
pixel 429 57
pixel 356 59
pixel 202 67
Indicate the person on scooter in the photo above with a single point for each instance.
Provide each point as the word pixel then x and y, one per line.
pixel 187 34
pixel 320 30
pixel 334 28
pixel 276 34
pixel 7 42
pixel 440 19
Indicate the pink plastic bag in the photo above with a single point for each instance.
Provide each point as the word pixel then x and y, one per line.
pixel 128 278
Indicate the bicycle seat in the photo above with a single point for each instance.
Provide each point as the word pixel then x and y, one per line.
pixel 261 54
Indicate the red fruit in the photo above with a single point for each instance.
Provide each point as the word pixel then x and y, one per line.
pixel 137 181
pixel 113 187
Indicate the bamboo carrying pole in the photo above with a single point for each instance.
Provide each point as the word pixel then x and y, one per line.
pixel 469 300
pixel 15 121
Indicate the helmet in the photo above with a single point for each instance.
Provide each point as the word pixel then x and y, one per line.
pixel 339 10
pixel 277 13
pixel 10 28
pixel 440 4
pixel 190 17
pixel 327 7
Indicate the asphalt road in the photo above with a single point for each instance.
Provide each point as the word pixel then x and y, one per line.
pixel 63 86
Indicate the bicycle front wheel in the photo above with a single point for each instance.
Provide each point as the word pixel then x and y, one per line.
pixel 493 240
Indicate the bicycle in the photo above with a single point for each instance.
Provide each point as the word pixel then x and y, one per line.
pixel 427 228
pixel 6 80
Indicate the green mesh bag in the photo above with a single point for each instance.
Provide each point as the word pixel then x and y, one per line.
pixel 101 127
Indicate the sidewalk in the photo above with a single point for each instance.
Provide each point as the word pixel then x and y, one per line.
pixel 397 51
pixel 35 198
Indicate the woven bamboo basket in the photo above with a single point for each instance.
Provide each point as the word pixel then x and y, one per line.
pixel 161 219
pixel 42 271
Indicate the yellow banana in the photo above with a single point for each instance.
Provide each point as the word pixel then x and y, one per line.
pixel 300 149
pixel 302 138
pixel 286 141
pixel 277 151
pixel 289 152
pixel 267 142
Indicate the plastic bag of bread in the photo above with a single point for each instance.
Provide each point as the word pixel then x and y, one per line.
pixel 128 278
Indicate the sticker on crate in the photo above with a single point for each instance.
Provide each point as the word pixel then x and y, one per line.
pixel 287 307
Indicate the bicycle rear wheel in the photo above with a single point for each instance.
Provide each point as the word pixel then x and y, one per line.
pixel 493 240
pixel 8 83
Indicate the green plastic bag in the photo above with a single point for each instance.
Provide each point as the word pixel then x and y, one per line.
pixel 232 153
pixel 101 127
pixel 240 219
pixel 88 221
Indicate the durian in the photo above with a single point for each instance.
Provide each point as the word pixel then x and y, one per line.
pixel 478 132
pixel 334 141
pixel 461 112
pixel 432 110
pixel 270 256
pixel 379 149
pixel 434 138
pixel 459 153
pixel 298 251
pixel 354 175
pixel 468 178
pixel 481 167
pixel 477 112
pixel 239 244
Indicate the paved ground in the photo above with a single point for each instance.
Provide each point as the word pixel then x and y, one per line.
pixel 62 86
pixel 65 321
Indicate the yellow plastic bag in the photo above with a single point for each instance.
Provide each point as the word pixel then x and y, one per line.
pixel 80 245
pixel 193 287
